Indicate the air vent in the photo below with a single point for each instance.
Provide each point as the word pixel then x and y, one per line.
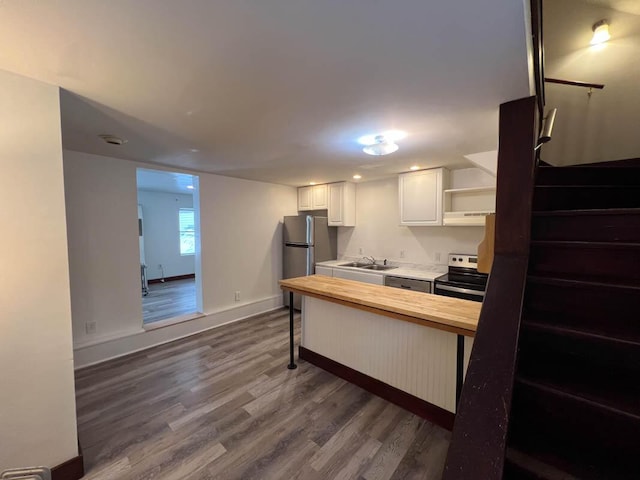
pixel 36 473
pixel 113 140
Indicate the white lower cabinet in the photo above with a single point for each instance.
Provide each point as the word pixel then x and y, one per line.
pixel 322 270
pixel 358 276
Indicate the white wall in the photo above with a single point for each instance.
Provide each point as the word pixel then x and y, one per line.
pixel 379 233
pixel 605 125
pixel 37 399
pixel 104 259
pixel 241 250
pixel 161 233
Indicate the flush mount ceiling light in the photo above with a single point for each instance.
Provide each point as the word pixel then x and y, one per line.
pixel 381 146
pixel 113 140
pixel 414 167
pixel 600 32
pixel 357 177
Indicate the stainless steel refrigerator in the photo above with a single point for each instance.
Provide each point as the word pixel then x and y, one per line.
pixel 307 240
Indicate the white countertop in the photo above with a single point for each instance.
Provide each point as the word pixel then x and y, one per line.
pixel 417 272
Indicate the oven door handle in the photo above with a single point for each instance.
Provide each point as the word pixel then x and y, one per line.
pixel 468 291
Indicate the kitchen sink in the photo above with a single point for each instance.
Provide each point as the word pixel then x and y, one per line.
pixel 378 267
pixel 355 265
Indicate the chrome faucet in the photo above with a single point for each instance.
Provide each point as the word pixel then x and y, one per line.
pixel 371 259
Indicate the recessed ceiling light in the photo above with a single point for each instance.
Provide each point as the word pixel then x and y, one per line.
pixel 312 183
pixel 194 150
pixel 414 167
pixel 113 140
pixel 190 187
pixel 357 177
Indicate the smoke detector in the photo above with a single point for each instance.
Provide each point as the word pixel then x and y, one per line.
pixel 113 140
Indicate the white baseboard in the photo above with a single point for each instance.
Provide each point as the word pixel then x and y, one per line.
pixel 96 352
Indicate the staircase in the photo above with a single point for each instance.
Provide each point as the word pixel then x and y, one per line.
pixel 575 411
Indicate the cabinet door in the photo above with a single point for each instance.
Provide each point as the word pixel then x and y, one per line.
pixel 305 198
pixel 319 199
pixel 341 208
pixel 336 204
pixel 366 277
pixel 421 197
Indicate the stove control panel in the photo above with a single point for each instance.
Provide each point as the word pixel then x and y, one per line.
pixel 463 260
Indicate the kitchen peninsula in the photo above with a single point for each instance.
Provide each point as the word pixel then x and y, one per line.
pixel 409 347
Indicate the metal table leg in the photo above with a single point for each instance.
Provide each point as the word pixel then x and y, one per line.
pixel 292 365
pixel 459 367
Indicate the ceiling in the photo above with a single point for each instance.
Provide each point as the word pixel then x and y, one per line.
pixel 274 90
pixel 165 181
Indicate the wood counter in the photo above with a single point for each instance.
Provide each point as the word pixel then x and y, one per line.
pixel 435 311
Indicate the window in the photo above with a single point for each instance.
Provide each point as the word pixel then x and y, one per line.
pixel 187 231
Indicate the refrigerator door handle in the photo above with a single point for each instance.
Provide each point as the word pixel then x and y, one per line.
pixel 296 245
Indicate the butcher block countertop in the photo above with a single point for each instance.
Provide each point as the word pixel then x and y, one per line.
pixel 444 313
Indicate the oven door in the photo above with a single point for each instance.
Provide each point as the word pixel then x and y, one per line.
pixel 455 291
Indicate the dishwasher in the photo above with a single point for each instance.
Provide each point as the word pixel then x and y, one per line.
pixel 408 283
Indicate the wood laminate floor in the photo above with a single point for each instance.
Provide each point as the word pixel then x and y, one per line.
pixel 169 299
pixel 223 405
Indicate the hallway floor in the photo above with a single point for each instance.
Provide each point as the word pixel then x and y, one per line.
pixel 169 300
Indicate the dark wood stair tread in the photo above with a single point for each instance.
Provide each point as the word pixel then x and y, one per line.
pixel 627 329
pixel 578 333
pixel 576 435
pixel 583 281
pixel 615 396
pixel 594 350
pixel 586 244
pixel 527 466
pixel 587 212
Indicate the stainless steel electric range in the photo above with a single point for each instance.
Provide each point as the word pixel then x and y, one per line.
pixel 463 279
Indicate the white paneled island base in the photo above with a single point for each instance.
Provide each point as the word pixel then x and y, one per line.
pixel 416 359
pixel 410 348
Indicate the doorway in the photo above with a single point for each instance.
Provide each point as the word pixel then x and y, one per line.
pixel 169 243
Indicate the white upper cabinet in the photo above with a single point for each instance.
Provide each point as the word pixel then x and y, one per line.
pixel 342 204
pixel 421 196
pixel 319 194
pixel 312 197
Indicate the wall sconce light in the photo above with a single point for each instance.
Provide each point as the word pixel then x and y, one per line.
pixel 600 32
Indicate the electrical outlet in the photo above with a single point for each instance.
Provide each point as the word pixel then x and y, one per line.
pixel 437 257
pixel 90 327
pixel 401 253
pixel 237 296
pixel 360 251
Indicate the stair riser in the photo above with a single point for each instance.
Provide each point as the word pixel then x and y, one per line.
pixel 576 431
pixel 568 198
pixel 581 375
pixel 514 472
pixel 588 176
pixel 593 302
pixel 617 264
pixel 535 343
pixel 594 228
pixel 602 324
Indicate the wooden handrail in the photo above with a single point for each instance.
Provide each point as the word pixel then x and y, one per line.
pixel 575 83
pixel 478 441
pixel 538 54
